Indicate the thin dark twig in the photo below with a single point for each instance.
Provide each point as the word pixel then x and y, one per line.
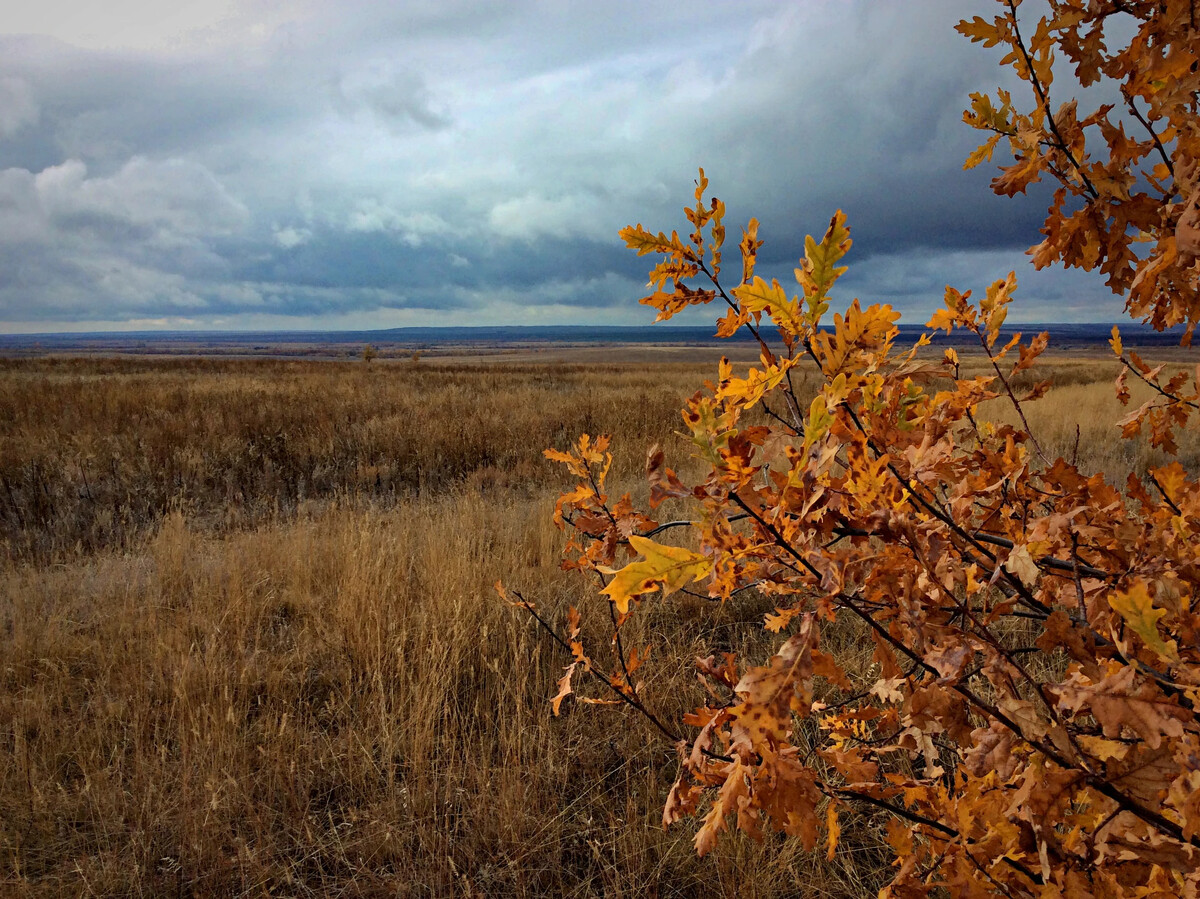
pixel 683 522
pixel 1061 565
pixel 1060 144
pixel 1080 597
pixel 771 413
pixel 1158 144
pixel 921 820
pixel 1012 396
pixel 1154 385
pixel 631 701
pixel 1165 496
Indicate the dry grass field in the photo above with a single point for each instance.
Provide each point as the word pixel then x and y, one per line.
pixel 249 643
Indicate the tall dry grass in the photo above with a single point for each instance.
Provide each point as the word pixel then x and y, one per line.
pixel 1077 419
pixel 95 452
pixel 232 667
pixel 341 706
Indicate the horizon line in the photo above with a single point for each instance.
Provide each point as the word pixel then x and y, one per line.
pixel 646 327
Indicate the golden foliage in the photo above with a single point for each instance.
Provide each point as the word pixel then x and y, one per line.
pixel 1030 713
pixel 1117 186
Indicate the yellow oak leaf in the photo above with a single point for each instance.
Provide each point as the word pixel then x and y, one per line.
pixel 668 567
pixel 1173 480
pixel 759 296
pixel 979 29
pixel 1103 749
pixel 818 421
pixel 819 269
pixel 943 320
pixel 770 693
pixel 638 238
pixel 982 153
pixel 749 246
pixel 746 392
pixel 1137 608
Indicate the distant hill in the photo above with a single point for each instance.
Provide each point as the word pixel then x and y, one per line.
pixel 341 343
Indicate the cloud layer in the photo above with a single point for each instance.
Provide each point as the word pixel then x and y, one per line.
pixel 305 164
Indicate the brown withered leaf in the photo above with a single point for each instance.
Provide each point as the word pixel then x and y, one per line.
pixel 770 693
pixel 731 798
pixel 724 672
pixel 1028 716
pixel 951 659
pixel 851 764
pixel 1021 563
pixel 1121 701
pixel 787 793
pixel 992 750
pixel 564 688
pixel 1184 796
pixel 1030 352
pixel 826 666
pixel 1080 644
pixel 683 798
pixel 663 482
pixel 1187 229
pixel 1145 774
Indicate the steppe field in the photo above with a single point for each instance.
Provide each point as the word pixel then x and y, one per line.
pixel 250 645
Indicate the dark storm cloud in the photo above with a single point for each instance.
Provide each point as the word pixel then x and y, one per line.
pixel 339 258
pixel 101 106
pixel 425 163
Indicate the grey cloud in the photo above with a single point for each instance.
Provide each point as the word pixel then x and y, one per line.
pixel 291 236
pixel 286 298
pixel 128 242
pixel 533 216
pixel 579 293
pixel 397 96
pixel 916 281
pixel 17 106
pixel 411 227
pixel 163 203
pixel 477 158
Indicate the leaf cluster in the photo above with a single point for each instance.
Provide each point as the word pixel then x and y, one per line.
pixel 1126 170
pixel 1028 721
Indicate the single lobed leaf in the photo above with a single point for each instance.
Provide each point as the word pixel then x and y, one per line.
pixel 1137 609
pixel 668 567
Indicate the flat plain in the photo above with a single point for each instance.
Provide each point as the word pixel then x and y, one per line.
pixel 250 644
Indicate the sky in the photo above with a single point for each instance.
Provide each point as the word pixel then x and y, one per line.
pixel 298 164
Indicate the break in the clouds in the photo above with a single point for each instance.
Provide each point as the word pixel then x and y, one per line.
pixel 301 164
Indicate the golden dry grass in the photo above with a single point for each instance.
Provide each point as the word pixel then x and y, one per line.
pixel 1077 418
pixel 94 452
pixel 249 643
